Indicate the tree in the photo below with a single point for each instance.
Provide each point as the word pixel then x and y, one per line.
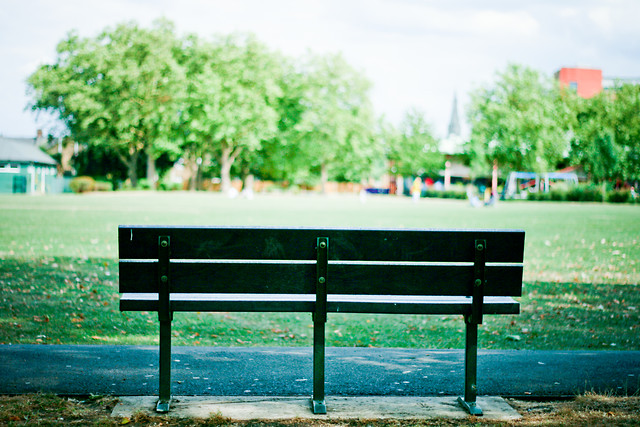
pixel 593 144
pixel 626 129
pixel 120 90
pixel 606 134
pixel 520 121
pixel 229 105
pixel 413 149
pixel 333 132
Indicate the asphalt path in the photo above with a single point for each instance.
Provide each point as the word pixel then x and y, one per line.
pixel 279 371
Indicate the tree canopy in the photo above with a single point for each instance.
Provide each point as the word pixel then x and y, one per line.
pixel 518 120
pixel 230 105
pixel 212 102
pixel 413 148
pixel 120 90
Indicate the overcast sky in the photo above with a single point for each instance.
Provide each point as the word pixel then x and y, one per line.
pixel 417 53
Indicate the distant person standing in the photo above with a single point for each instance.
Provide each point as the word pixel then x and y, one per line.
pixel 416 189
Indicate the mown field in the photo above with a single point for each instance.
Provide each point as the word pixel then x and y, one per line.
pixel 59 273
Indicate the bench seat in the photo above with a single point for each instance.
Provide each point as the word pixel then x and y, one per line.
pixel 336 303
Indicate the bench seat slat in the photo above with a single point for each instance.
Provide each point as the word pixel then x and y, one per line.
pixel 299 278
pixel 399 304
pixel 140 242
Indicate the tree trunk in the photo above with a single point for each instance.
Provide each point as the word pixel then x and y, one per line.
pixel 132 169
pixel 152 174
pixel 193 173
pixel 247 184
pixel 227 157
pixel 324 177
pixel 225 170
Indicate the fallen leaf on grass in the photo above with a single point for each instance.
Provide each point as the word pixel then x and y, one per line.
pixel 95 337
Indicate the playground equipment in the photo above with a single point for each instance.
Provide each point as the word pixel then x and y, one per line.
pixel 519 183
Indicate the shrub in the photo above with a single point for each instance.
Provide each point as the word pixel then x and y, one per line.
pixel 144 184
pixel 545 197
pixel 449 194
pixel 82 184
pixel 619 196
pixel 558 195
pixel 166 185
pixel 103 186
pixel 584 193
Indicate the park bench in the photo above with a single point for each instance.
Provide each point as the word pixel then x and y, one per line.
pixel 236 269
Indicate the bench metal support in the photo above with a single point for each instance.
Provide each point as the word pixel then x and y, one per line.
pixel 165 316
pixel 470 369
pixel 319 319
pixel 472 321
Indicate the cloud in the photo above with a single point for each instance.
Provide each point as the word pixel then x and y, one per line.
pixel 601 16
pixel 504 24
pixel 422 19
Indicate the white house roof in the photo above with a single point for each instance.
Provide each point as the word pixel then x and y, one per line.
pixel 23 150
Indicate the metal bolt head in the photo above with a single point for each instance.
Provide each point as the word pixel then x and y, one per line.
pixel 164 279
pixel 480 247
pixel 323 245
pixel 478 282
pixel 164 243
pixel 321 280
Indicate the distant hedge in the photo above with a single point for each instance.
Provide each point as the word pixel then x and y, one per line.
pixel 584 193
pixel 445 194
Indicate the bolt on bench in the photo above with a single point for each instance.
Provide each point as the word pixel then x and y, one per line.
pixel 320 271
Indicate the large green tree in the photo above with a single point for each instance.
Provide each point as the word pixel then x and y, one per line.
pixel 626 129
pixel 412 148
pixel 593 142
pixel 334 122
pixel 518 120
pixel 120 90
pixel 229 106
pixel 606 133
pixel 279 157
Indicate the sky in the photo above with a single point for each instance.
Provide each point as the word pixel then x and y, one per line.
pixel 416 53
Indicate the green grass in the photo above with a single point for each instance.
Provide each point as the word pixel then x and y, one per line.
pixel 58 271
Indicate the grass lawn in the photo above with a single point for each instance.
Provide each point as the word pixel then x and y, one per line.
pixel 58 271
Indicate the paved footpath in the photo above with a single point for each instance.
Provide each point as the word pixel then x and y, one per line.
pixel 279 371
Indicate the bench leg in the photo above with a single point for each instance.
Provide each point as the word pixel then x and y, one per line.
pixel 470 369
pixel 165 367
pixel 318 400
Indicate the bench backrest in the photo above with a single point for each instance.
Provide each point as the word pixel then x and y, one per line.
pixel 286 260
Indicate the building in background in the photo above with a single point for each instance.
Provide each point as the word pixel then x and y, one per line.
pixel 586 82
pixel 25 168
pixel 453 148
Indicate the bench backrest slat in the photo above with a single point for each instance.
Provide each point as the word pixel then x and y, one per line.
pixel 140 242
pixel 279 260
pixel 387 279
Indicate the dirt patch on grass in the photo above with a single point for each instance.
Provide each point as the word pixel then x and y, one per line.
pixel 587 410
pixel 49 409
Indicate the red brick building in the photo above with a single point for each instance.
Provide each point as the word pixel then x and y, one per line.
pixel 586 82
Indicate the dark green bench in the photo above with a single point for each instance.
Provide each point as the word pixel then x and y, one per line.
pixel 320 271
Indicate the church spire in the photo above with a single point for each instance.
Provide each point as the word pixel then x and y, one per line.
pixel 454 122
